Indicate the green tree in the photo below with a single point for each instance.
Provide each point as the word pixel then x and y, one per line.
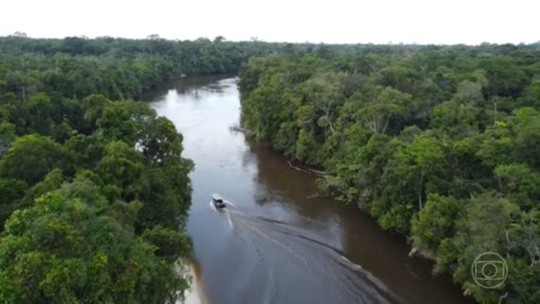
pixel 12 192
pixel 456 120
pixel 518 179
pixel 122 167
pixel 435 222
pixel 31 157
pixel 63 251
pixel 382 105
pixel 7 136
pixel 126 120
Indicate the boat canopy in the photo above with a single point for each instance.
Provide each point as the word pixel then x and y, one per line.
pixel 217 197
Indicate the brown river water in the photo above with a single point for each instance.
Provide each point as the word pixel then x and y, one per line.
pixel 276 242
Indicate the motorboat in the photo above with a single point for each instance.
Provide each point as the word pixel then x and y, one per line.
pixel 218 201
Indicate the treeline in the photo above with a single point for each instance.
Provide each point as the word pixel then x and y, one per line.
pixel 94 192
pixel 123 68
pixel 438 143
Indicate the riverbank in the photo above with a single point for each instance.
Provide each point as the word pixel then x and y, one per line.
pixel 195 294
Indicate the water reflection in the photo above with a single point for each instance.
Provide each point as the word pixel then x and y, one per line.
pixel 196 88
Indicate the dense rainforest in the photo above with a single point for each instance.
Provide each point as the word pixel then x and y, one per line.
pixel 94 192
pixel 440 143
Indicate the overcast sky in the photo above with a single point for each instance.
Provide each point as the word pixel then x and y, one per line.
pixel 328 21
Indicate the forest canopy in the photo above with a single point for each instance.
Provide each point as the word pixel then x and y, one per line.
pixel 94 191
pixel 439 143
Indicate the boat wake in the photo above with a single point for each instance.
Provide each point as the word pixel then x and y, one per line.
pixel 229 203
pixel 327 267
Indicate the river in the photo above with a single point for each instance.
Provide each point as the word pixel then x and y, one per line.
pixel 277 242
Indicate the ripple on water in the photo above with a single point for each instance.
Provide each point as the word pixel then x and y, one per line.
pixel 329 268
